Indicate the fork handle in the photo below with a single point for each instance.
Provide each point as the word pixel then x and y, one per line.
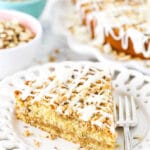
pixel 127 138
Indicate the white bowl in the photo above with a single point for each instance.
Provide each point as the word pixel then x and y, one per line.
pixel 22 56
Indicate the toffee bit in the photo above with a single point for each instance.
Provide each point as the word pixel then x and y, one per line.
pixel 52 136
pixel 37 143
pixel 52 58
pixel 27 133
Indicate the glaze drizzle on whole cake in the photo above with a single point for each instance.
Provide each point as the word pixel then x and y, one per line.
pixel 124 25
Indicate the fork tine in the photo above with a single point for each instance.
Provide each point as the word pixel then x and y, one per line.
pixel 133 109
pixel 126 119
pixel 127 109
pixel 121 116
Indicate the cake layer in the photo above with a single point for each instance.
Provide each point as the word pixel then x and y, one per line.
pixel 71 98
pixel 117 45
pixel 71 129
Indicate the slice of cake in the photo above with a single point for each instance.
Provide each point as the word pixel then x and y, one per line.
pixel 124 25
pixel 72 101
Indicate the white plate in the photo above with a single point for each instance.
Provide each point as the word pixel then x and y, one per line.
pixel 125 82
pixel 80 42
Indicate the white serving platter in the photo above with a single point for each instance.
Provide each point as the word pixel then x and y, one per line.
pixel 124 82
pixel 78 39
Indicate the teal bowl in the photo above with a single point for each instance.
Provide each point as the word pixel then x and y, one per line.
pixel 32 7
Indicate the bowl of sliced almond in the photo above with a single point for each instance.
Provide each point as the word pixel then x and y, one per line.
pixel 20 41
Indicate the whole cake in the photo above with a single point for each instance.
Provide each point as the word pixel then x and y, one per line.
pixel 72 101
pixel 124 25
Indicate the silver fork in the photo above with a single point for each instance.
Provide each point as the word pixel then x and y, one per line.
pixel 126 117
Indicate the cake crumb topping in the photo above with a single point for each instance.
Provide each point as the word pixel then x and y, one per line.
pixel 74 90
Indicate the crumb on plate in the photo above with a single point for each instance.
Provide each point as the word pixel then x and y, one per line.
pixel 27 133
pixel 37 143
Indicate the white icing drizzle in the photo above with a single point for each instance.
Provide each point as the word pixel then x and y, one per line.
pixel 45 91
pixel 87 112
pixel 67 77
pixel 76 82
pixel 114 16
